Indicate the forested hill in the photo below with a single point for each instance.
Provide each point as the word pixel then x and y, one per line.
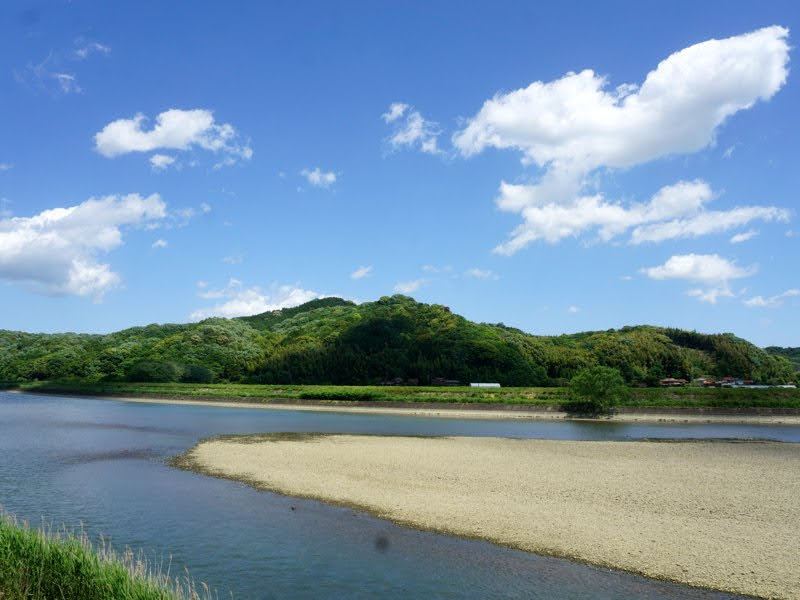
pixel 395 338
pixel 793 354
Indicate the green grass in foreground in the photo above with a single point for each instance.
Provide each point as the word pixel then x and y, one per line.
pixel 43 565
pixel 543 396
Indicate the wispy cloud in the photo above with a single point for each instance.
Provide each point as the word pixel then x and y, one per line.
pixel 409 287
pixel 772 301
pixel 476 273
pixel 411 129
pixel 319 178
pixel 85 49
pixel 361 272
pixel 743 237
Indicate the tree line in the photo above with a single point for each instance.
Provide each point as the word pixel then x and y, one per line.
pixel 394 339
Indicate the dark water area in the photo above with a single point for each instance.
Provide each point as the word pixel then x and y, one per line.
pixel 101 463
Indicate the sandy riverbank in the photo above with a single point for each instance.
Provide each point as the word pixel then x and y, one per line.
pixel 469 411
pixel 720 515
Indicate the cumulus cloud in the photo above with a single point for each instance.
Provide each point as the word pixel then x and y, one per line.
pixel 710 270
pixel 56 251
pixel 675 211
pixel 159 244
pixel 481 273
pixel 411 129
pixel 744 236
pixel 241 301
pixel 409 287
pixel 573 125
pixel 159 162
pixel 361 272
pixel 174 129
pixel 573 309
pixel 318 177
pixel 773 301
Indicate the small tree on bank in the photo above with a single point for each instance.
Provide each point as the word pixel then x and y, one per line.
pixel 597 390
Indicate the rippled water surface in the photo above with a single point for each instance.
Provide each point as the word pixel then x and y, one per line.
pixel 101 463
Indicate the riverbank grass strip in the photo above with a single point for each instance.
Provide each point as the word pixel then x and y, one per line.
pixel 43 564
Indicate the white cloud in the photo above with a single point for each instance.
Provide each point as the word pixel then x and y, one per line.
pixel 729 151
pixel 711 270
pixel 67 82
pixel 49 76
pixel 159 244
pixel 205 207
pixel 744 236
pixel 773 301
pixel 6 167
pixel 159 162
pixel 361 272
pixel 55 251
pixel 573 309
pixel 436 269
pixel 481 273
pixel 174 129
pixel 234 259
pixel 409 287
pixel 241 301
pixel 396 110
pixel 412 131
pixel 571 126
pixel 83 51
pixel 674 211
pixel 319 178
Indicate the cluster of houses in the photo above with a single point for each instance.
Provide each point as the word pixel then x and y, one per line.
pixel 732 382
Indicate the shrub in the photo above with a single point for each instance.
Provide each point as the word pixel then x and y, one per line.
pixel 197 374
pixel 155 371
pixel 597 390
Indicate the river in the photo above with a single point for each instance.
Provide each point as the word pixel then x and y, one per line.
pixel 101 463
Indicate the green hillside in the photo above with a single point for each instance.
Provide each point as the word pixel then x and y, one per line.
pixel 334 341
pixel 792 354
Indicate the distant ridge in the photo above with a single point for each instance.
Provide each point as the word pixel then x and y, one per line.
pixel 394 339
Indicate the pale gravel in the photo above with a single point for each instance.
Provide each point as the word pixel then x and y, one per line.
pixel 721 515
pixel 480 413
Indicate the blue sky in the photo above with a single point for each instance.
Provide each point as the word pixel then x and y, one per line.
pixel 558 167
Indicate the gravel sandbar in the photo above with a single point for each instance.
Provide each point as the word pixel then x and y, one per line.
pixel 722 515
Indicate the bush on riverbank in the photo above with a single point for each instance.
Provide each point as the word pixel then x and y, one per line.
pixel 41 565
pixel 597 390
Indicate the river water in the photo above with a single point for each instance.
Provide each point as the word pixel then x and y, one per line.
pixel 101 463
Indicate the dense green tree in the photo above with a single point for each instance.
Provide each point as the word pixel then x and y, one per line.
pixel 597 389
